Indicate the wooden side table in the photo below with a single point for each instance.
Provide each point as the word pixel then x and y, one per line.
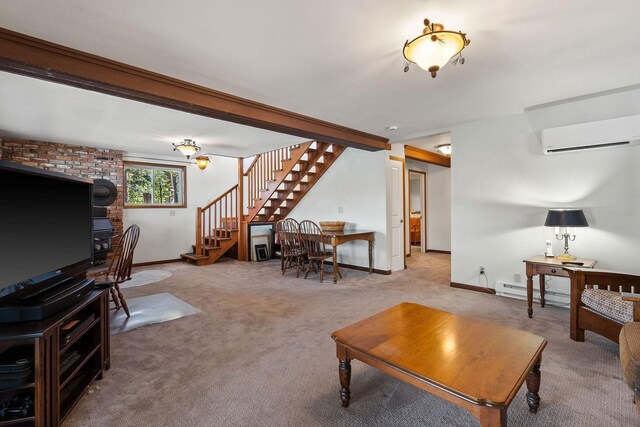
pixel 543 266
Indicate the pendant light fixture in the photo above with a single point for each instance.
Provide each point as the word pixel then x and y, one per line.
pixel 444 149
pixel 202 162
pixel 434 48
pixel 188 147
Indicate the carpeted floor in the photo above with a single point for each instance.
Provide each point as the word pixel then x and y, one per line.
pixel 260 354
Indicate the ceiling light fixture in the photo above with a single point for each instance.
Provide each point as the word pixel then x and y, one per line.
pixel 202 162
pixel 188 147
pixel 434 48
pixel 445 149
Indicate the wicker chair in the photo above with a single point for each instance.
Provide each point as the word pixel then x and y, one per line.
pixel 316 249
pixel 292 249
pixel 120 268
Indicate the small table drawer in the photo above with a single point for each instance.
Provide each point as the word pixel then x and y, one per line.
pixel 551 270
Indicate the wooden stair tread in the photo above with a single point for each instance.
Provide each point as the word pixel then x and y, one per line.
pixel 193 256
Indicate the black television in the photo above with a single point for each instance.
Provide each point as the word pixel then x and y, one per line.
pixel 46 241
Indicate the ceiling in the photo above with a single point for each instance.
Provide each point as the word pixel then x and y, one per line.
pixel 36 109
pixel 338 61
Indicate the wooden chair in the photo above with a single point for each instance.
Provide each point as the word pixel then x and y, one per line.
pixel 292 249
pixel 630 357
pixel 612 311
pixel 316 250
pixel 597 304
pixel 120 267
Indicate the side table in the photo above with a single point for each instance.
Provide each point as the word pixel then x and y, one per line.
pixel 543 266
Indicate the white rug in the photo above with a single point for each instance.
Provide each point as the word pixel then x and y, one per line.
pixel 156 308
pixel 145 277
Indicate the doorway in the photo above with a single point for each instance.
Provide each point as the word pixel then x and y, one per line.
pixel 418 232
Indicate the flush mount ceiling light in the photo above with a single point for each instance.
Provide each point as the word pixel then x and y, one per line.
pixel 434 48
pixel 188 147
pixel 445 149
pixel 202 162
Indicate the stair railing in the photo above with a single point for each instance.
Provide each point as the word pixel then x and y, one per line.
pixel 262 170
pixel 217 219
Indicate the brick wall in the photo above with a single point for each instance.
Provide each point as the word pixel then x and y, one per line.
pixel 81 161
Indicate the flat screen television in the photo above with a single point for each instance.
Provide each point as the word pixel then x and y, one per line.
pixel 46 233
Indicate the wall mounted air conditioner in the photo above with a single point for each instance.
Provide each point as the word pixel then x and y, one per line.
pixel 620 132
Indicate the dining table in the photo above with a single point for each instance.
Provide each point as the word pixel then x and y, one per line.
pixel 336 238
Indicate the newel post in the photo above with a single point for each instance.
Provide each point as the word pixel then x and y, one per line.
pixel 199 232
pixel 242 231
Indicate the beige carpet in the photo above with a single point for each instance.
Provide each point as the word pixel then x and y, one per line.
pixel 260 354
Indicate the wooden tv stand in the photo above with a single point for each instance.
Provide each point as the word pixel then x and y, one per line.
pixel 53 391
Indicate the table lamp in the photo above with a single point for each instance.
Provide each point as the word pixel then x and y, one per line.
pixel 564 220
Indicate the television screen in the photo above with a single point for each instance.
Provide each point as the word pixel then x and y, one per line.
pixel 45 225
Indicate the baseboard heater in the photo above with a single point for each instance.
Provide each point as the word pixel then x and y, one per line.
pixel 519 291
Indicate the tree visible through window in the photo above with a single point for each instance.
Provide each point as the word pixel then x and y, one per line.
pixel 148 184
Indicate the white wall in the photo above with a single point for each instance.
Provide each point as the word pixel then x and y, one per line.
pixel 502 187
pixel 438 208
pixel 414 194
pixel 352 190
pixel 165 233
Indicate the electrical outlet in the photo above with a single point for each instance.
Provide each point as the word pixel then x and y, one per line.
pixel 517 278
pixel 340 209
pixel 481 270
pixel 172 212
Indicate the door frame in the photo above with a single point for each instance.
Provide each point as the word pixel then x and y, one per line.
pixel 404 209
pixel 423 210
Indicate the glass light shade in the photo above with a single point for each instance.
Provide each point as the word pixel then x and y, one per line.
pixel 187 150
pixel 428 53
pixel 188 147
pixel 445 149
pixel 202 162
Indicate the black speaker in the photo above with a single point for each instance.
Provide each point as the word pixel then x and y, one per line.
pixel 104 192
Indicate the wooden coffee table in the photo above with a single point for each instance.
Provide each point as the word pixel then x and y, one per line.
pixel 475 364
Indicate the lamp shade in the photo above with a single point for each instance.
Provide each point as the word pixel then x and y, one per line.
pixel 202 162
pixel 435 47
pixel 566 218
pixel 188 147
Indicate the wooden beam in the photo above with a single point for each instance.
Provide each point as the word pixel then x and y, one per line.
pixel 25 55
pixel 416 153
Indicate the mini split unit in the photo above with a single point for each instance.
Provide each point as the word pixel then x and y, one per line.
pixel 620 132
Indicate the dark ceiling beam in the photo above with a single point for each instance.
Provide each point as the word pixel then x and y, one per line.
pixel 25 55
pixel 416 153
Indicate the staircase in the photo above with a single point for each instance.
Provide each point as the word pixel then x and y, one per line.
pixel 274 194
pixel 273 184
pixel 216 229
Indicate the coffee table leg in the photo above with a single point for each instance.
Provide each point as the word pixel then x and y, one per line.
pixel 345 378
pixel 533 386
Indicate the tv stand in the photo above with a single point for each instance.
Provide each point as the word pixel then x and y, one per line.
pixel 66 359
pixel 48 302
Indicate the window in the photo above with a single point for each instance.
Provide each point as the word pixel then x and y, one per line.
pixel 153 185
